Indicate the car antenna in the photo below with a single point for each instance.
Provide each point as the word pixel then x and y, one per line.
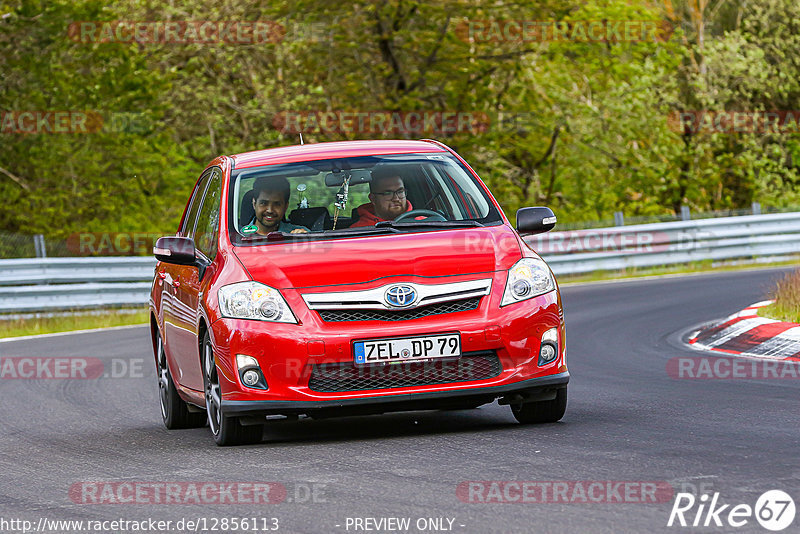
pixel 301 138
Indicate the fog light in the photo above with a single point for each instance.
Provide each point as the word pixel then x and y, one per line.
pixel 250 378
pixel 547 353
pixel 250 372
pixel 548 350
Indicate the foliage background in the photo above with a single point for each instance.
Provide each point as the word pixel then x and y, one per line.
pixel 591 134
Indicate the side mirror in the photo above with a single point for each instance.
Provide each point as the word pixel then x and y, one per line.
pixel 535 220
pixel 177 250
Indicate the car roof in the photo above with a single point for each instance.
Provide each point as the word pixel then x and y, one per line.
pixel 339 149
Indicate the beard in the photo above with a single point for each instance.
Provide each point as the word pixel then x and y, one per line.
pixel 396 209
pixel 266 223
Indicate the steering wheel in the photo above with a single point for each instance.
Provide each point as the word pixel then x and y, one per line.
pixel 435 216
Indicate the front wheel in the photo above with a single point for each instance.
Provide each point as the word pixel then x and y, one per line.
pixel 174 410
pixel 548 411
pixel 226 430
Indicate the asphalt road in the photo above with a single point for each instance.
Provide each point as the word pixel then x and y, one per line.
pixel 627 420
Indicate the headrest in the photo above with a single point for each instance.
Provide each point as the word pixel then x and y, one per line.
pixel 246 211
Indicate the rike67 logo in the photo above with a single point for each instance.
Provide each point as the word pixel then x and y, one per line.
pixel 774 510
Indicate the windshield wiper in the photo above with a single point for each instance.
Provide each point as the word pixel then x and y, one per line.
pixel 428 224
pixel 347 232
pixel 344 232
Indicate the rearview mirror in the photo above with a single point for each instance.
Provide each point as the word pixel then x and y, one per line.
pixel 177 250
pixel 535 220
pixel 358 176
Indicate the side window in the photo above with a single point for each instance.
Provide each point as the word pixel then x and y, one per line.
pixel 205 234
pixel 194 206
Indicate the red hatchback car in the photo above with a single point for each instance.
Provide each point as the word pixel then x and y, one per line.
pixel 351 278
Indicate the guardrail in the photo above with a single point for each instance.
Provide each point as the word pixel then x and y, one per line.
pixel 38 271
pixel 41 284
pixel 770 237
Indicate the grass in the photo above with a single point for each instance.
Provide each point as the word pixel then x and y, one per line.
pixel 686 268
pixel 786 294
pixel 32 324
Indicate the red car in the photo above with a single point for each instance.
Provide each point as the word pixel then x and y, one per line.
pixel 351 278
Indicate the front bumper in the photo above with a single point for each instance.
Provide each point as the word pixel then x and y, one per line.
pixel 289 354
pixel 409 401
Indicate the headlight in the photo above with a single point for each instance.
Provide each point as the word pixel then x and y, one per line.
pixel 253 300
pixel 528 278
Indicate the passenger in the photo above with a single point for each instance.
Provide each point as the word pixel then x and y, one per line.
pixel 388 199
pixel 270 200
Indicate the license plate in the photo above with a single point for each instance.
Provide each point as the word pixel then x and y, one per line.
pixel 407 349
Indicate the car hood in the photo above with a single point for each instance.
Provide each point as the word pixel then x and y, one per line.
pixel 299 264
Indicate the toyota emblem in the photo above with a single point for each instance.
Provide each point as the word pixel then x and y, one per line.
pixel 400 296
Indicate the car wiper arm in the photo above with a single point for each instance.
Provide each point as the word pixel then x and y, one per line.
pixel 428 224
pixel 277 236
pixel 344 232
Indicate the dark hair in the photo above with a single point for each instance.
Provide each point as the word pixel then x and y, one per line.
pixel 271 183
pixel 383 172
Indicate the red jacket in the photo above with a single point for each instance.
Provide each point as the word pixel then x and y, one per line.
pixel 367 217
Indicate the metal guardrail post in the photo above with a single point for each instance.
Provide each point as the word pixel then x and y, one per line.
pixel 38 245
pixel 686 215
pixel 619 218
pixel 756 208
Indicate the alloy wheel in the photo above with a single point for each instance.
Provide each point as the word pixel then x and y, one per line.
pixel 213 400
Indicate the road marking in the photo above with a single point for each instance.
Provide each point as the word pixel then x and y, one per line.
pixel 88 330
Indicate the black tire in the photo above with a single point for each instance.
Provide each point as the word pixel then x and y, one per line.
pixel 542 411
pixel 226 430
pixel 174 410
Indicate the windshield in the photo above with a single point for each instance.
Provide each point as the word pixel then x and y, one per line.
pixel 345 197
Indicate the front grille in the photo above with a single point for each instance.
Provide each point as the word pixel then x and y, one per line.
pixel 345 376
pixel 400 315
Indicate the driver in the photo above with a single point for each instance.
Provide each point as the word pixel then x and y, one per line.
pixel 388 199
pixel 270 200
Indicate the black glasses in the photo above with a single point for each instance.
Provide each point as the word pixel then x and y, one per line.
pixel 401 193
